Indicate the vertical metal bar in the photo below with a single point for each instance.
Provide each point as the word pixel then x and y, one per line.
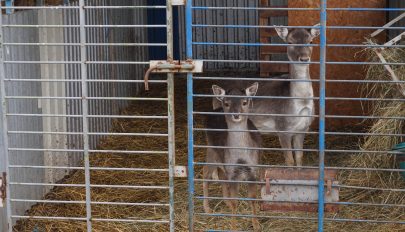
pixel 83 67
pixel 189 54
pixel 322 74
pixel 4 122
pixel 170 109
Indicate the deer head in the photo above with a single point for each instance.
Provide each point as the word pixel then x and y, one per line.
pixel 234 105
pixel 298 36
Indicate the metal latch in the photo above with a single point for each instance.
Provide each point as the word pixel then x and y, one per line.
pixel 174 66
pixel 2 189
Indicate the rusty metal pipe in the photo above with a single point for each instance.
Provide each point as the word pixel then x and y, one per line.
pixel 172 67
pixel 146 77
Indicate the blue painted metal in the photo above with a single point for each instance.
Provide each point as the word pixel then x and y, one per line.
pixel 189 54
pixel 9 3
pixel 322 78
pixel 157 35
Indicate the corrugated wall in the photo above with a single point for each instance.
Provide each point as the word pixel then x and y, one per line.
pixel 98 87
pixel 26 106
pixel 234 35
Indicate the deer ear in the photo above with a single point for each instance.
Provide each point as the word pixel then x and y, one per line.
pixel 252 90
pixel 218 91
pixel 315 31
pixel 282 32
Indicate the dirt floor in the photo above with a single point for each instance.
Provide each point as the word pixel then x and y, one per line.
pixel 161 178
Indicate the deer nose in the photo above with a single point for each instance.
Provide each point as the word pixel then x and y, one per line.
pixel 304 59
pixel 236 117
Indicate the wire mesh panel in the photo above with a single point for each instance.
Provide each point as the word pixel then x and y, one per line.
pixel 262 149
pixel 81 151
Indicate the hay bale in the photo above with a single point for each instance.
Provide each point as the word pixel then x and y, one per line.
pixel 381 109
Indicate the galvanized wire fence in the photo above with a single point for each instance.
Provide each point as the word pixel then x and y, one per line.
pixel 83 147
pixel 67 74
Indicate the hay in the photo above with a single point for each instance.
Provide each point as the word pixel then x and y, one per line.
pixel 159 161
pixel 382 109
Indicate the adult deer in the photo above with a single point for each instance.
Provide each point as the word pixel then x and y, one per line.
pixel 299 94
pixel 237 138
pixel 299 89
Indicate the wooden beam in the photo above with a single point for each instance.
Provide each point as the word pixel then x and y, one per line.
pixel 374 34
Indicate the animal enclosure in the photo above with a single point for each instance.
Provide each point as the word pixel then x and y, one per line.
pixel 84 147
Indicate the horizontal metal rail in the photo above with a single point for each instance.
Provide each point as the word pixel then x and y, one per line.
pixel 299 218
pixel 311 202
pixel 266 79
pixel 93 168
pixel 301 132
pixel 90 133
pixel 78 80
pixel 78 26
pixel 301 45
pixel 299 184
pixel 302 167
pixel 88 44
pixel 77 7
pixel 291 149
pixel 292 27
pixel 296 115
pixel 91 116
pixel 92 151
pixel 84 219
pixel 293 8
pixel 93 202
pixel 91 185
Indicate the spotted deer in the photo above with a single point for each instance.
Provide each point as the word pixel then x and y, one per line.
pixel 237 137
pixel 299 94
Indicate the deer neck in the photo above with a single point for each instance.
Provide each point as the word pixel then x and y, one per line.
pixel 300 88
pixel 238 138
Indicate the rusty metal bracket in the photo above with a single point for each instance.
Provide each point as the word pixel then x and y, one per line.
pixel 174 66
pixel 3 185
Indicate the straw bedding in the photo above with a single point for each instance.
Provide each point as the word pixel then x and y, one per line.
pixel 387 180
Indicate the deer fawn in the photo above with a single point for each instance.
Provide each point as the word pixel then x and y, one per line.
pixel 237 136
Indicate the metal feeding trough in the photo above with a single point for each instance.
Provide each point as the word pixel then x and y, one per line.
pixel 291 189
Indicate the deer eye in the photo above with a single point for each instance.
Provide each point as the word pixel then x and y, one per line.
pixel 244 103
pixel 226 104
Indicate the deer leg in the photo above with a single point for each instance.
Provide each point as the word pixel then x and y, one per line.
pixel 285 142
pixel 225 188
pixel 252 191
pixel 207 174
pixel 233 192
pixel 298 143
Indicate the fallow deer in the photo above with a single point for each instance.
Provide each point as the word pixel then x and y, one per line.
pixel 238 138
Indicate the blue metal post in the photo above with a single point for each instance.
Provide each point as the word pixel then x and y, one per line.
pixel 322 74
pixel 9 3
pixel 190 125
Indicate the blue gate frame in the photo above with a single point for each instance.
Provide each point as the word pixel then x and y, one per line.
pixel 190 94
